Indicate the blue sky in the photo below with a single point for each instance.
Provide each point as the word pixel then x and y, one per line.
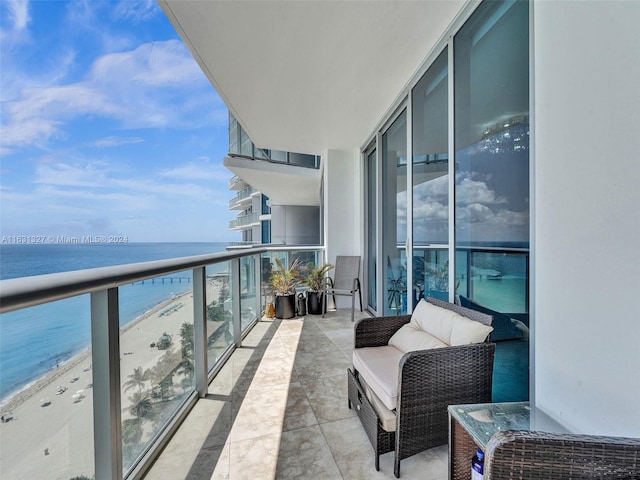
pixel 109 127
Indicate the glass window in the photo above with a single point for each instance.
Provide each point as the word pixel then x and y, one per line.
pixel 431 181
pixel 492 146
pixel 394 216
pixel 372 226
pixel 233 134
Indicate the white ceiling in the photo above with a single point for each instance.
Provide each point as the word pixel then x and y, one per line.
pixel 310 76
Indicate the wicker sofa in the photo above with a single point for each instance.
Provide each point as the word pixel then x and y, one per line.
pixel 554 456
pixel 428 381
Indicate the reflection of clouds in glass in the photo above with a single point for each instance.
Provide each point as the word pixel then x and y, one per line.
pixel 478 213
pixel 470 190
pixel 431 211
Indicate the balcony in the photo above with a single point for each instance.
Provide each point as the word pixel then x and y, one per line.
pixel 236 183
pixel 244 221
pixel 278 409
pixel 242 199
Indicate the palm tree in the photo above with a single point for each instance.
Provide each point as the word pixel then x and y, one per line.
pixel 140 405
pixel 136 379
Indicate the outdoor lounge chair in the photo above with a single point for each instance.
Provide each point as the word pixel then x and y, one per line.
pixel 345 281
pixel 428 380
pixel 513 455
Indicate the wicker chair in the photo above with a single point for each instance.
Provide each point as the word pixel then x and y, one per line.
pixel 429 381
pixel 560 456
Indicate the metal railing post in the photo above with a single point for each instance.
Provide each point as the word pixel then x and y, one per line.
pixel 235 301
pixel 257 265
pixel 200 359
pixel 105 353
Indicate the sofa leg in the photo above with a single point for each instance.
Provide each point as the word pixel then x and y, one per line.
pixel 377 462
pixel 396 468
pixel 349 402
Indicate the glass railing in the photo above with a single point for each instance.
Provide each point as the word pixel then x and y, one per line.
pixel 280 157
pixel 494 277
pixel 130 373
pixel 244 220
pixel 242 195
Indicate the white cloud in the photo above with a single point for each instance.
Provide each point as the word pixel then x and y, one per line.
pixel 193 171
pixel 159 76
pixel 137 11
pixel 63 174
pixel 469 191
pixel 116 141
pixel 18 11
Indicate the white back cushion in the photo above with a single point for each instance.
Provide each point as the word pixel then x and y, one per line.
pixel 409 338
pixel 448 326
pixel 465 332
pixel 437 321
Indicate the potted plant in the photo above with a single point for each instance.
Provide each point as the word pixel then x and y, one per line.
pixel 315 281
pixel 284 282
pixel 437 281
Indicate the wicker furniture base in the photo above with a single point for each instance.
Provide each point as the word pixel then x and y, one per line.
pixel 381 440
pixel 428 382
pixel 461 449
pixel 512 455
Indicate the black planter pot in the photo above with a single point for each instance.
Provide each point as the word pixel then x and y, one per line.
pixel 314 303
pixel 285 306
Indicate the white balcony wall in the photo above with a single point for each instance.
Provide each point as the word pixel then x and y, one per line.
pixel 587 226
pixel 343 209
pixel 295 225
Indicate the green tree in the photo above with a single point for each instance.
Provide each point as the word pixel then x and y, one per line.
pixel 140 405
pixel 136 379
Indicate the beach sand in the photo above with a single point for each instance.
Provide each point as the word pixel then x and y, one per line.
pixel 56 441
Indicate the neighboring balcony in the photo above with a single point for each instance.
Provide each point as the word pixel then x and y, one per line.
pixel 243 199
pixel 236 183
pixel 244 221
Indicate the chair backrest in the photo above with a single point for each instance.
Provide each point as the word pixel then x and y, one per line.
pixel 347 268
pixel 561 456
pixel 465 312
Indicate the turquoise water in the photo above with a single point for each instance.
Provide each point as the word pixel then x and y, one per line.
pixel 34 340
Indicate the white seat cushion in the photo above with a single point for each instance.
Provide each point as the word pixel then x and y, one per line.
pixel 409 338
pixel 387 417
pixel 378 366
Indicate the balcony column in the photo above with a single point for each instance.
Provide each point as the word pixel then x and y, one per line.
pixel 235 301
pixel 105 353
pixel 200 357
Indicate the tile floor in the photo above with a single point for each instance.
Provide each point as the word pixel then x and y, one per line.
pixel 278 409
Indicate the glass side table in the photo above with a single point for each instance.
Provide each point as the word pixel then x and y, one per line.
pixel 471 427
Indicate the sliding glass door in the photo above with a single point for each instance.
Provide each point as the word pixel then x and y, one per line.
pixel 394 216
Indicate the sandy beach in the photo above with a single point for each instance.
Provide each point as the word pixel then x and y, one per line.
pixel 55 440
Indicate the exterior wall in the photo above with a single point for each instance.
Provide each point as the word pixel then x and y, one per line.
pixel 587 226
pixel 295 225
pixel 343 209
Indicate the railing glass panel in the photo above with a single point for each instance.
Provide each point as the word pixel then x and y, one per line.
pixel 47 415
pixel 156 352
pixel 219 311
pixel 249 292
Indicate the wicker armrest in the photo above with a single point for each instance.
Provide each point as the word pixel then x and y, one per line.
pixel 430 381
pixel 376 331
pixel 561 456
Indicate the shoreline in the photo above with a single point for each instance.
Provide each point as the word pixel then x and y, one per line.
pixel 18 397
pixel 50 434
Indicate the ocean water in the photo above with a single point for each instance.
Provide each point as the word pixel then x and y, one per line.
pixel 36 339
